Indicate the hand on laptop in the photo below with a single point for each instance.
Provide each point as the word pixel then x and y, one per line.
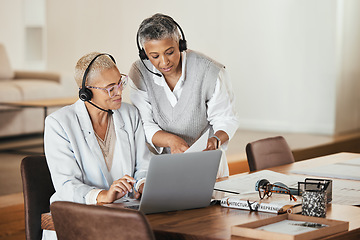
pixel 118 189
pixel 137 194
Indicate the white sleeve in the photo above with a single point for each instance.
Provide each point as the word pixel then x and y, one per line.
pixel 65 172
pixel 90 197
pixel 141 101
pixel 221 109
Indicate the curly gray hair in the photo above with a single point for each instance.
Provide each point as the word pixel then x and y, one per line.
pixel 158 27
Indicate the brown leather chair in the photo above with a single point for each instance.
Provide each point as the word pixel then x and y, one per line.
pixel 268 152
pixel 37 188
pixel 87 222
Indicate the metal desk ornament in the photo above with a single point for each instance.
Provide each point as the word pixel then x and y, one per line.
pixel 316 194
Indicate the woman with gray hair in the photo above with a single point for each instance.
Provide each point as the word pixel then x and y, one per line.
pixel 180 93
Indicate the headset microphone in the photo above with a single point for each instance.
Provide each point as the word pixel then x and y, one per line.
pixel 157 74
pixel 85 94
pixel 108 111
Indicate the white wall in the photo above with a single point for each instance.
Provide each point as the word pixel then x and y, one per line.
pixel 282 60
pixel 293 64
pixel 11 30
pixel 348 84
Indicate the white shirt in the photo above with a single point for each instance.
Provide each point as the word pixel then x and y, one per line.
pixel 220 108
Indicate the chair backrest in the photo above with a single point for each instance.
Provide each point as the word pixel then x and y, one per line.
pixel 268 152
pixel 91 222
pixel 37 188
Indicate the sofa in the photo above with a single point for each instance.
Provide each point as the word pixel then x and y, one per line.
pixel 25 85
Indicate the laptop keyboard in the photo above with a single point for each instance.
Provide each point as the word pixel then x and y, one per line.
pixel 135 207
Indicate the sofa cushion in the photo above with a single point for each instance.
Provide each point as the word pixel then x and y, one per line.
pixel 6 71
pixel 38 89
pixel 9 92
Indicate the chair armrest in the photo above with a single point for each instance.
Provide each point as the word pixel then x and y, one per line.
pixel 51 76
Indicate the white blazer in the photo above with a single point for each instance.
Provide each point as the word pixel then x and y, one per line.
pixel 74 156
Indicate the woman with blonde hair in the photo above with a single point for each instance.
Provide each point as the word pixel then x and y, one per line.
pixel 95 148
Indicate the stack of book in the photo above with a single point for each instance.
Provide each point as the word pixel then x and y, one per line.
pixel 277 203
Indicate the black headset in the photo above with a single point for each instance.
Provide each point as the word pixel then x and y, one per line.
pixel 182 43
pixel 85 94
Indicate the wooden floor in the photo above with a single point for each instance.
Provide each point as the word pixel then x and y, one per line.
pixel 12 221
pixel 304 146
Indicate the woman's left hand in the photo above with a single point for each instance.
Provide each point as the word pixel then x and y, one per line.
pixel 211 144
pixel 137 194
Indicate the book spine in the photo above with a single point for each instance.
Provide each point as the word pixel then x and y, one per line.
pixel 246 205
pixel 294 209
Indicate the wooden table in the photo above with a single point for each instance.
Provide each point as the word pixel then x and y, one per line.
pixel 215 221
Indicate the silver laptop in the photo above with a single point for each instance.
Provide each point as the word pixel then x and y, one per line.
pixel 179 181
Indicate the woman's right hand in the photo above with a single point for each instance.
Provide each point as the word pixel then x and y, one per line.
pixel 118 189
pixel 165 139
pixel 177 144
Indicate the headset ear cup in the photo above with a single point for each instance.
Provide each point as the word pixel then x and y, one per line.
pixel 182 45
pixel 85 94
pixel 142 54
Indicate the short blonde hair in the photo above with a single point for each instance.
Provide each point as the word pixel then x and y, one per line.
pixel 101 63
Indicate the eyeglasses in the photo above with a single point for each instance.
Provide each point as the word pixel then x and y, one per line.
pixel 268 189
pixel 114 89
